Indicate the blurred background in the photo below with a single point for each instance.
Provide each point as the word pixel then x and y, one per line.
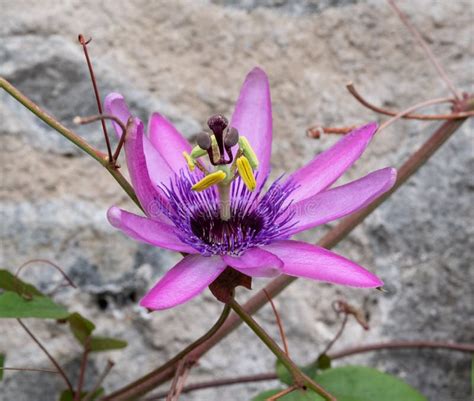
pixel 187 59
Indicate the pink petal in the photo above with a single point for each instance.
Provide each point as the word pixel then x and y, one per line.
pixel 255 262
pixel 341 201
pixel 184 281
pixel 147 230
pixel 115 104
pixel 328 166
pixel 304 260
pixel 142 169
pixel 253 118
pixel 168 141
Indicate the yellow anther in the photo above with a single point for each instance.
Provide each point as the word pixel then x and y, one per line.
pixel 190 161
pixel 209 180
pixel 248 152
pixel 245 171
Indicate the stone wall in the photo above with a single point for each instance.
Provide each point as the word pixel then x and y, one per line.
pixel 187 59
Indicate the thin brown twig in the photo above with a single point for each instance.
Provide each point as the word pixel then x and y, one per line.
pixel 47 262
pixel 413 108
pixel 417 35
pixel 123 137
pixel 469 348
pixel 31 370
pixel 282 393
pixel 176 386
pixel 450 116
pixel 50 357
pixel 82 371
pixel 279 323
pixel 108 368
pixel 338 334
pixel 84 44
pixel 125 129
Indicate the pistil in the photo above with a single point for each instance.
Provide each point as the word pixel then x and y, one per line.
pixel 217 146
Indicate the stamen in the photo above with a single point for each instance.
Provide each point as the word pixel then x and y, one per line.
pixel 209 180
pixel 231 138
pixel 189 161
pixel 248 152
pixel 245 171
pixel 204 140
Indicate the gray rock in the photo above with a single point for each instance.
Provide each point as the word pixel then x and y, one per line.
pixel 187 60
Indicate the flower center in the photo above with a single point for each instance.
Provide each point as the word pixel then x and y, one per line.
pixel 256 219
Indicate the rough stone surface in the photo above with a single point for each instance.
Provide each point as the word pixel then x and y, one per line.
pixel 187 59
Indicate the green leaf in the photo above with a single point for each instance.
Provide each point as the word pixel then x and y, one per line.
pixel 68 395
pixel 9 282
pixel 2 362
pixel 13 305
pixel 97 344
pixel 354 383
pixel 359 383
pixel 80 327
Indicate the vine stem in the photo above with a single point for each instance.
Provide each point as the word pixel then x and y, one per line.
pixel 301 380
pixel 141 386
pixel 419 39
pixel 50 357
pixel 71 136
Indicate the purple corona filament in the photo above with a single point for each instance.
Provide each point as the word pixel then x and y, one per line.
pixel 257 218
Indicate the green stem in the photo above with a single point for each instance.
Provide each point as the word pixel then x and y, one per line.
pixel 71 136
pixel 299 377
pixel 143 385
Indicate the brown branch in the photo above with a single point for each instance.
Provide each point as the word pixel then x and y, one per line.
pixel 414 107
pixel 450 116
pixel 467 348
pixel 82 372
pixel 417 35
pixel 84 44
pixel 279 323
pixel 331 239
pixel 50 357
pixel 48 262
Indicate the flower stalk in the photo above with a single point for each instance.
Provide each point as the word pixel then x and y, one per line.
pixel 301 380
